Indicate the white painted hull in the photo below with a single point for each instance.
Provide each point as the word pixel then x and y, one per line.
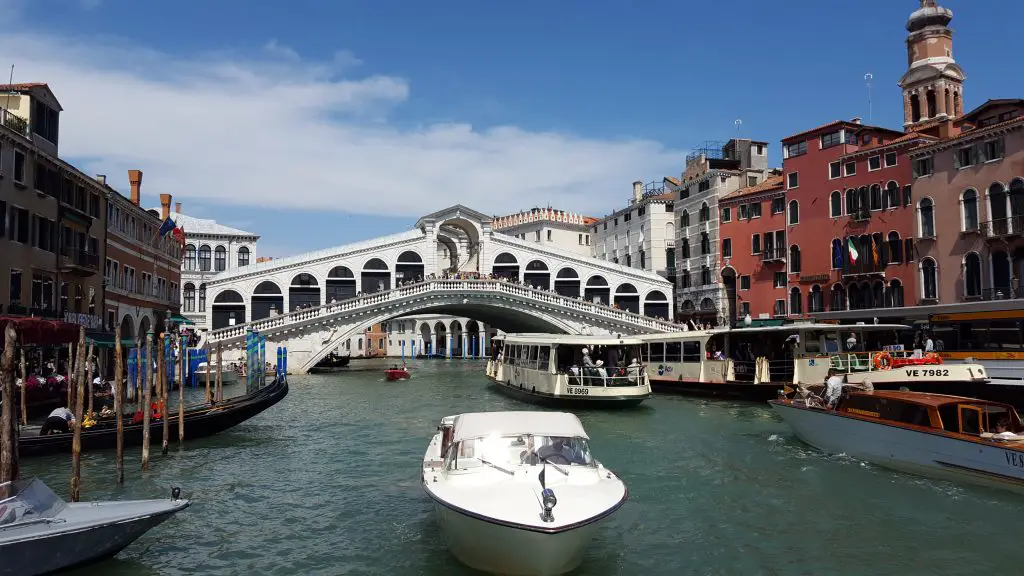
pixel 560 388
pixel 500 549
pixel 923 453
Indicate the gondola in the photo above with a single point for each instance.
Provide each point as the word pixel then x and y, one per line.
pixel 330 363
pixel 199 423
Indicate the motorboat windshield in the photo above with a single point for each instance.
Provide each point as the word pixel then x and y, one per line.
pixel 27 500
pixel 507 452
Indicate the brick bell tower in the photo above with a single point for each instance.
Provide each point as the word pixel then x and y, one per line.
pixel 933 83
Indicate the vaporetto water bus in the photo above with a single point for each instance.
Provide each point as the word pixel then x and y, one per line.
pixel 758 362
pixel 569 370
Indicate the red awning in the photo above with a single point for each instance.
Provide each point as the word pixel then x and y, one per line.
pixel 38 331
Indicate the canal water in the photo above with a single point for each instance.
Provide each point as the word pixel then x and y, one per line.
pixel 327 482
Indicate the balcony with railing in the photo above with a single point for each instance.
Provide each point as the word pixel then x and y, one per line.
pixel 771 254
pixel 79 262
pixel 1000 227
pixel 1000 293
pixel 864 266
pixel 14 122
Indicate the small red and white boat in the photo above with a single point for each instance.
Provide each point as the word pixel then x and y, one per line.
pixel 396 374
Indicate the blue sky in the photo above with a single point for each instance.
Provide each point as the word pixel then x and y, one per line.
pixel 316 122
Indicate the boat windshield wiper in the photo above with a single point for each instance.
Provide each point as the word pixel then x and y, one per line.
pixel 545 460
pixel 496 467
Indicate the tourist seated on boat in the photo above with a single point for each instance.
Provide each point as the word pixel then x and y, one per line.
pixel 60 420
pixel 602 373
pixel 633 371
pixel 1003 429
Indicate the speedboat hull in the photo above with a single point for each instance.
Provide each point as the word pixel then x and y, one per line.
pixel 392 375
pixel 498 548
pixel 917 452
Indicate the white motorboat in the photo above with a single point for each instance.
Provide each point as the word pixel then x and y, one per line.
pixel 518 493
pixel 41 533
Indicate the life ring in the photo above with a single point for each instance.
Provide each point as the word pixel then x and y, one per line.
pixel 935 358
pixel 883 361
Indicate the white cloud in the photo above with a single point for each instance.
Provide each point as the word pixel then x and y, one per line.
pixel 277 130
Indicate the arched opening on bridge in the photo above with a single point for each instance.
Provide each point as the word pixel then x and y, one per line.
pixel 537 275
pixel 456 339
pixel 627 298
pixel 304 292
pixel 426 345
pixel 228 309
pixel 340 285
pixel 440 347
pixel 597 290
pixel 567 283
pixel 266 300
pixel 409 268
pixel 375 276
pixel 656 305
pixel 506 266
pixel 447 254
pixel 474 341
pixel 461 237
pixel 729 280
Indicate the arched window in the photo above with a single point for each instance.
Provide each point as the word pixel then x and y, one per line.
pixel 838 298
pixel 836 202
pixel 190 297
pixel 794 259
pixel 876 197
pixel 202 297
pixel 204 258
pixel 972 275
pixel 190 257
pixel 929 279
pixel 685 249
pixel 705 212
pixel 705 243
pixel 851 202
pixel 926 218
pixel 969 211
pixel 684 279
pixel 915 108
pixel 705 276
pixel 997 213
pixel 837 254
pixel 685 218
pixel 815 302
pixel 220 259
pixel 892 195
pixel 243 256
pixel 795 305
pixel 895 248
pixel 907 194
pixel 894 297
pixel 794 212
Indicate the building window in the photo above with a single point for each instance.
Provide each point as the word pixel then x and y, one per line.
pixel 778 205
pixel 705 244
pixel 835 170
pixel 755 244
pixel 754 210
pixel 190 297
pixel 685 219
pixel 876 197
pixel 745 282
pixel 831 139
pixel 793 180
pixel 779 280
pixel 44 121
pixel 727 248
pixel 972 275
pixel 243 256
pixel 705 212
pixel 815 300
pixel 836 203
pixel 874 163
pixel 794 212
pixel 190 257
pixel 704 185
pixel 204 258
pixel 851 169
pixel 963 158
pixel 837 254
pixel 890 159
pixel 19 166
pixel 923 167
pixel 705 276
pixel 795 301
pixel 794 259
pixel 549 235
pixel 751 181
pixel 926 218
pixel 794 150
pixel 685 248
pixel 202 297
pixel 220 260
pixel 744 309
pixel 726 214
pixel 780 308
pixel 907 195
pixel 894 297
pixel 929 279
pixel 969 211
pixel 892 195
pixel 895 248
pixel 992 150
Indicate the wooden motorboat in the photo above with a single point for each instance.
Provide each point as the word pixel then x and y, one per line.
pixel 40 533
pixel 397 374
pixel 951 437
pixel 199 422
pixel 330 363
pixel 518 492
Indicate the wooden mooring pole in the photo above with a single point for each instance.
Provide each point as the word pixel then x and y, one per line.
pixel 146 369
pixel 9 432
pixel 119 403
pixel 71 374
pixel 76 442
pixel 220 376
pixel 24 385
pixel 181 391
pixel 209 374
pixel 161 366
pixel 88 379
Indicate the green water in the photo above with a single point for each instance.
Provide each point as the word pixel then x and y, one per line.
pixel 327 482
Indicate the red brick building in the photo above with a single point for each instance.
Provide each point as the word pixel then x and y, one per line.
pixel 752 232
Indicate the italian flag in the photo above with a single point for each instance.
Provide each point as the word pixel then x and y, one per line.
pixel 853 250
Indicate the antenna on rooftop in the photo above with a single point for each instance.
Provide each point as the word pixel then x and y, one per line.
pixel 738 122
pixel 868 78
pixel 9 87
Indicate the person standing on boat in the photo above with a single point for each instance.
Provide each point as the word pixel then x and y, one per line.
pixel 60 420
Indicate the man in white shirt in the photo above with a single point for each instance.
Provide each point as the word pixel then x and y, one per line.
pixel 929 346
pixel 60 420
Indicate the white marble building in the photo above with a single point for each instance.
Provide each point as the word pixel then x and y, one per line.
pixel 642 235
pixel 549 227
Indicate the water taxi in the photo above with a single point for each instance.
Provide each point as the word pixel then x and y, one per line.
pixel 570 370
pixel 950 437
pixel 756 362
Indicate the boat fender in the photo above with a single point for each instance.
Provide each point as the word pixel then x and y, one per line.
pixel 935 358
pixel 883 361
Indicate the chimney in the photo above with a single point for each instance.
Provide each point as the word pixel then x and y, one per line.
pixel 102 179
pixel 638 190
pixel 135 180
pixel 177 207
pixel 856 120
pixel 165 206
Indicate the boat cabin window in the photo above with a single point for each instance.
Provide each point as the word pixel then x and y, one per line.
pixel 543 357
pixel 713 350
pixel 888 409
pixel 514 450
pixel 673 351
pixel 657 353
pixel 691 351
pixel 977 419
pixel 832 343
pixel 811 341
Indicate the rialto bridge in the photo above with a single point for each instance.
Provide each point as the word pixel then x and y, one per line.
pixel 451 262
